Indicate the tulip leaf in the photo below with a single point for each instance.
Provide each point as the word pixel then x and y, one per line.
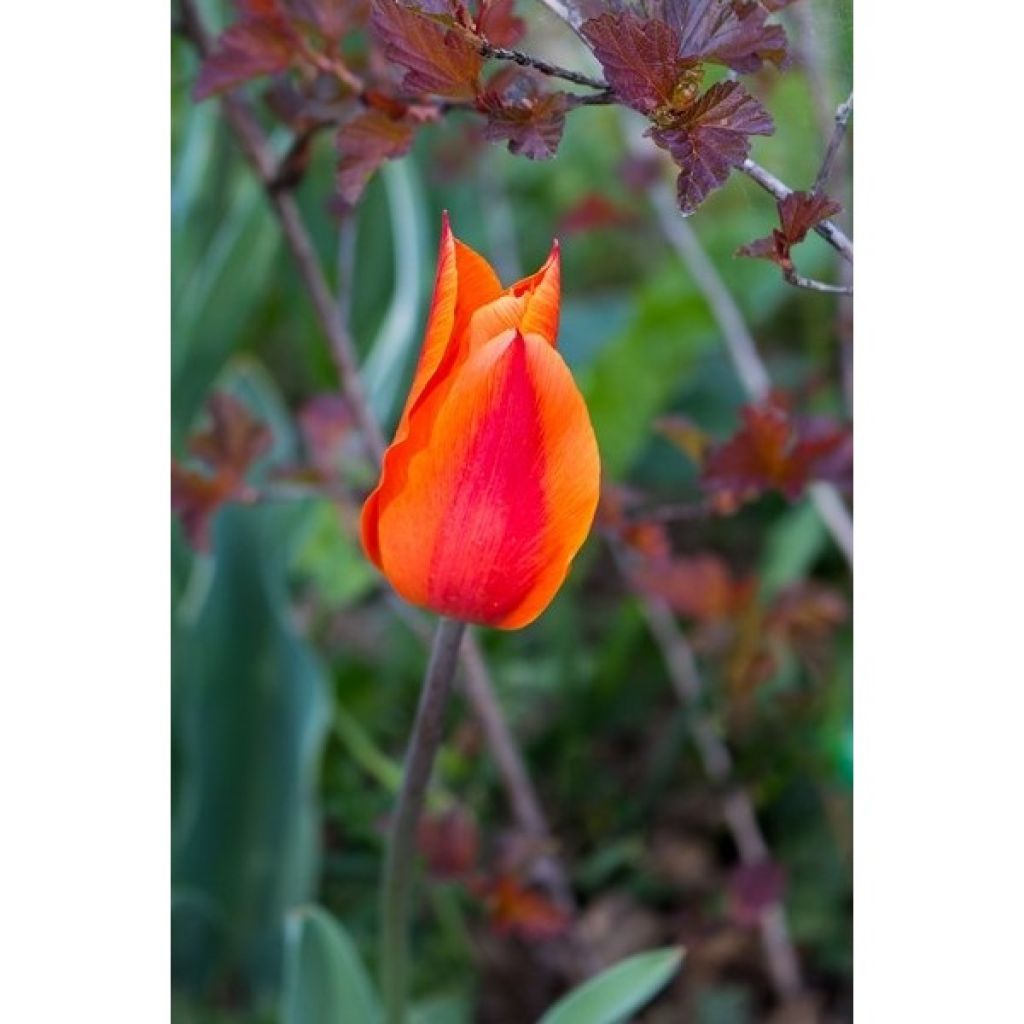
pixel 325 981
pixel 208 320
pixel 619 991
pixel 250 717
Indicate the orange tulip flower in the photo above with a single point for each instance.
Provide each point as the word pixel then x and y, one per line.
pixel 490 485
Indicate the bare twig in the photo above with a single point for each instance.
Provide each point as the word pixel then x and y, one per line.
pixel 479 689
pixel 526 60
pixel 835 141
pixel 737 807
pixel 799 281
pixel 833 235
pixel 670 513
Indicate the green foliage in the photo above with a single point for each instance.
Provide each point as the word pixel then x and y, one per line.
pixel 325 981
pixel 251 714
pixel 618 991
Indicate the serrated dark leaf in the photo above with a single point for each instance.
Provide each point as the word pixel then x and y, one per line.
pixel 262 42
pixel 438 60
pixel 498 22
pixel 234 438
pixel 519 113
pixel 640 57
pixel 224 451
pixel 365 143
pixel 735 33
pixel 710 137
pixel 701 587
pixel 799 213
pixel 773 450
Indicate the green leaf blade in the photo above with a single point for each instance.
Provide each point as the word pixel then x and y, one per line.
pixel 325 981
pixel 617 992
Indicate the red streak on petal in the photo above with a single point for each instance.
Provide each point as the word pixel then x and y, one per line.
pixel 486 556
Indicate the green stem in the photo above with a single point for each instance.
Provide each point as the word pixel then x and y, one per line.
pixel 398 864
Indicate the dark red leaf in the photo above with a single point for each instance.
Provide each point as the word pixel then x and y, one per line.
pixel 234 439
pixel 774 451
pixel 195 497
pixel 807 611
pixel 437 59
pixel 710 137
pixel 262 42
pixel 641 61
pixel 730 32
pixel 365 143
pixel 326 425
pixel 799 213
pixel 449 843
pixel 753 888
pixel 649 540
pixel 805 617
pixel 498 23
pixel 702 587
pixel 594 210
pixel 515 909
pixel 531 121
pixel 224 452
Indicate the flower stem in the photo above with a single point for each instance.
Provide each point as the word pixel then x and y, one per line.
pixel 419 759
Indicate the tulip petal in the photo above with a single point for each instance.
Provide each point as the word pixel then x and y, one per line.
pixel 542 294
pixel 464 282
pixel 500 498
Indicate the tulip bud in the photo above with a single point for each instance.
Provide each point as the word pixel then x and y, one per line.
pixel 490 485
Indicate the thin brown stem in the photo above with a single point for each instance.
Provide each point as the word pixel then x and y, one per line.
pixel 811 285
pixel 737 807
pixel 547 870
pixel 527 60
pixel 842 118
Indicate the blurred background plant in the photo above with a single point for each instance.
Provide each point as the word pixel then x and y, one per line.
pixel 683 709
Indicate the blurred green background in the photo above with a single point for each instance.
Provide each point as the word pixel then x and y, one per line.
pixel 294 680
